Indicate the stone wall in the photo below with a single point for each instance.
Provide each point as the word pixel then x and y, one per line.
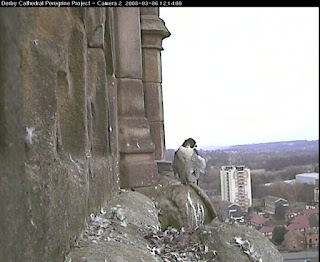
pixel 73 122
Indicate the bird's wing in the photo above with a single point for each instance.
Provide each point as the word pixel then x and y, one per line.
pixel 182 165
pixel 198 162
pixel 199 165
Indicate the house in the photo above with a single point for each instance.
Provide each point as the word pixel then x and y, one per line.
pixel 289 215
pixel 309 211
pixel 294 241
pixel 267 231
pixel 312 238
pixel 256 221
pixel 311 205
pixel 304 222
pixel 275 223
pixel 271 202
pixel 227 211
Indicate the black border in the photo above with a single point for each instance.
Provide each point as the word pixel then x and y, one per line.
pixel 160 3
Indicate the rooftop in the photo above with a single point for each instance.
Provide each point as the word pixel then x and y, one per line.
pixel 309 211
pixel 304 222
pixel 273 198
pixel 226 204
pixel 254 218
pixel 266 229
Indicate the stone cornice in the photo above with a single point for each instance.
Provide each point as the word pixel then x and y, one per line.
pixel 152 24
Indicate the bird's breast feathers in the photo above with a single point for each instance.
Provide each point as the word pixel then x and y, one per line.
pixel 185 152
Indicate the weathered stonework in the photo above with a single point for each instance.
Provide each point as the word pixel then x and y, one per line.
pixel 135 145
pixel 73 121
pixel 81 116
pixel 153 32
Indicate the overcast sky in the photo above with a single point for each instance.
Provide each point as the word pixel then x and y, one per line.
pixel 234 76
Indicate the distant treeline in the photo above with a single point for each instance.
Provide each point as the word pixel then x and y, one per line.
pixel 287 146
pixel 269 161
pixel 270 156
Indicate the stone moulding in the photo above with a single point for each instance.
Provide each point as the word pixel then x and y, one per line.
pixel 153 31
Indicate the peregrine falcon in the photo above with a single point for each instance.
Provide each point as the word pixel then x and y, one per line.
pixel 187 163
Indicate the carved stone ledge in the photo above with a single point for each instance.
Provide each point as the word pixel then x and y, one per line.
pixel 153 31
